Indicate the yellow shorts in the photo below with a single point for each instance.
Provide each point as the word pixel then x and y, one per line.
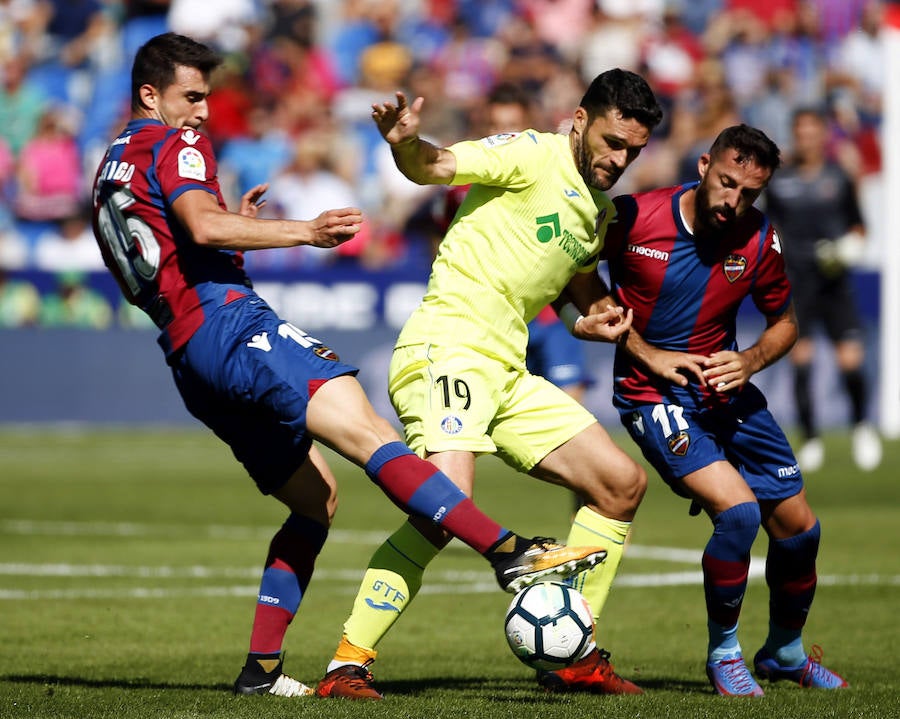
pixel 459 399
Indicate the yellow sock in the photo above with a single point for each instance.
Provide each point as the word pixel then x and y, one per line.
pixel 590 528
pixel 392 580
pixel 349 653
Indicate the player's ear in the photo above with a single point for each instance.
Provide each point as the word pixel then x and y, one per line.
pixel 579 121
pixel 703 164
pixel 149 96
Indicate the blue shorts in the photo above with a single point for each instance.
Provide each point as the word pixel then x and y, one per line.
pixel 248 375
pixel 554 354
pixel 678 439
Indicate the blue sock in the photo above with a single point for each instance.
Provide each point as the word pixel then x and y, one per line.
pixel 786 646
pixel 723 642
pixel 726 562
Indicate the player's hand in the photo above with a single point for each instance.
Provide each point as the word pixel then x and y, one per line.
pixel 334 227
pixel 398 123
pixel 726 370
pixel 608 325
pixel 251 200
pixel 676 367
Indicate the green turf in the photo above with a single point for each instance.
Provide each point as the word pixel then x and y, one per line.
pixel 129 563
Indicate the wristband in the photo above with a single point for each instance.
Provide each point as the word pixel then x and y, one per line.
pixel 569 315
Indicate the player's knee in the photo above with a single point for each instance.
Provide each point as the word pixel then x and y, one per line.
pixel 635 484
pixel 618 492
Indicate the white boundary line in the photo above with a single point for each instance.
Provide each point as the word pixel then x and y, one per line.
pixel 442 582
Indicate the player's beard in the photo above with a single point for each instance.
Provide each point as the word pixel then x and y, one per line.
pixel 706 221
pixel 584 164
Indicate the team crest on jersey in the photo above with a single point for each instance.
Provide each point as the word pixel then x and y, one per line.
pixel 734 267
pixel 678 444
pixel 325 353
pixel 190 137
pixel 451 425
pixel 191 164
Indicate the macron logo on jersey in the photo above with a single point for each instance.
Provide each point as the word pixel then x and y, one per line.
pixel 650 252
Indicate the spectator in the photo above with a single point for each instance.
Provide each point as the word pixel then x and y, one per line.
pixel 255 158
pixel 143 19
pixel 838 17
pixel 305 188
pixel 773 109
pixel 740 40
pixel 75 304
pixel 467 66
pixel 768 13
pixel 610 41
pixel 797 48
pixel 225 24
pixel 49 170
pixel 22 102
pixel 231 102
pixel 20 301
pixel 530 61
pixel 669 56
pixel 14 249
pixel 7 176
pixel 79 40
pixel 562 23
pixel 701 113
pixel 294 73
pixel 858 70
pixel 69 245
pixel 384 68
pixel 357 31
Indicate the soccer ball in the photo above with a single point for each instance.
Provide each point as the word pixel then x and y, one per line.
pixel 549 625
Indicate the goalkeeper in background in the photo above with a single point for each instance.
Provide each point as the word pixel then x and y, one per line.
pixel 812 201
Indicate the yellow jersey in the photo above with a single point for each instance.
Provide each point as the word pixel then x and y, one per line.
pixel 527 225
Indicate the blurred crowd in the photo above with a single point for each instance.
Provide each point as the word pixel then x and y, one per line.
pixel 292 104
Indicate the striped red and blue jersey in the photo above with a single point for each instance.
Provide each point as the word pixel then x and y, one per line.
pixel 156 263
pixel 685 291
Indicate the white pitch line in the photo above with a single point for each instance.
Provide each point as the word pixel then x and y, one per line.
pixel 49 528
pixel 442 582
pixel 29 527
pixel 23 569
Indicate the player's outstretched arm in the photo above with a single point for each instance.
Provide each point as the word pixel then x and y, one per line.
pixel 210 225
pixel 418 159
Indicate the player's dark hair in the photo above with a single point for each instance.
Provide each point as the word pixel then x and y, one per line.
pixel 508 93
pixel 750 144
pixel 815 111
pixel 156 60
pixel 626 92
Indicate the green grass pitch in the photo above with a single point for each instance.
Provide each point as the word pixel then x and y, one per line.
pixel 129 563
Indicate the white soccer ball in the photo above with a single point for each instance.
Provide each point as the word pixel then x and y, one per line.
pixel 549 625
